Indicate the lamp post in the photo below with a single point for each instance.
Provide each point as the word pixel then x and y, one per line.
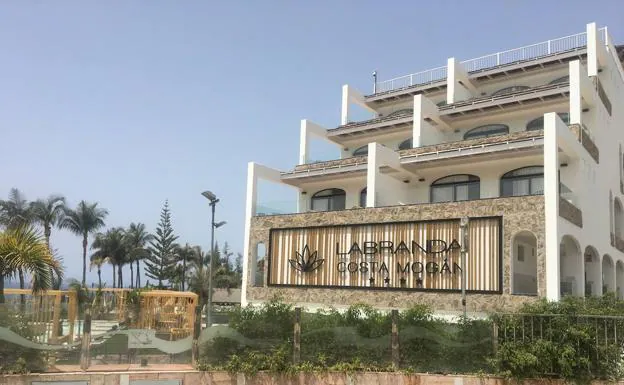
pixel 213 203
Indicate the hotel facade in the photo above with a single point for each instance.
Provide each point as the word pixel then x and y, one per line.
pixel 502 176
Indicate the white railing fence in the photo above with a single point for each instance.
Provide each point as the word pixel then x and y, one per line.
pixel 419 78
pixel 529 52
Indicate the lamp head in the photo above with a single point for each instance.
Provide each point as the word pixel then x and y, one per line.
pixel 219 224
pixel 209 194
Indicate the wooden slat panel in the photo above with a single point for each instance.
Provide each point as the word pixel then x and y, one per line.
pixel 322 254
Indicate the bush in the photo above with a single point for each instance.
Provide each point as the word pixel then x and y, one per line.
pixel 15 359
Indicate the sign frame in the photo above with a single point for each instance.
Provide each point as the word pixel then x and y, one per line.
pixel 500 250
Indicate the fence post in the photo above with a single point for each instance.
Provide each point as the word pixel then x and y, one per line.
pixel 495 336
pixel 85 354
pixel 297 337
pixel 196 333
pixel 395 339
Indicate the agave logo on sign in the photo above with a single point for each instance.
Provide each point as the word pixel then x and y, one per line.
pixel 306 262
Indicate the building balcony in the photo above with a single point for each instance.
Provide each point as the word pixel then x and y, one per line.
pixel 487 104
pixel 387 124
pixel 496 65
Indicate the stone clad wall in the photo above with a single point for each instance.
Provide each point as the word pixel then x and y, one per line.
pixel 192 377
pixel 519 214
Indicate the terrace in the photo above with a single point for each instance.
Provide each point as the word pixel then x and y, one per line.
pixel 539 55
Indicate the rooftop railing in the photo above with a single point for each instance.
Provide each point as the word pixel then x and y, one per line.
pixel 529 52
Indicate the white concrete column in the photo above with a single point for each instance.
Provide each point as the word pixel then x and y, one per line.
pixel 596 50
pixel 382 190
pixel 458 85
pixel 581 91
pixel 423 133
pixel 372 175
pixel 309 129
pixel 350 95
pixel 254 172
pixel 551 203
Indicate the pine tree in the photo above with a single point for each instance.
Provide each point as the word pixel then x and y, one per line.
pixel 161 260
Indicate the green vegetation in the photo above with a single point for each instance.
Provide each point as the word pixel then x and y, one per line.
pixel 161 260
pixel 552 340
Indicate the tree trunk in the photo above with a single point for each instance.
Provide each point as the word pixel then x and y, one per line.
pixel 99 277
pixel 138 277
pixel 119 275
pixel 2 290
pixel 114 276
pixel 183 271
pixel 84 260
pixel 21 280
pixel 47 231
pixel 131 276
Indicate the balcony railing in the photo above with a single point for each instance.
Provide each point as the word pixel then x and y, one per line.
pixel 516 55
pixel 411 80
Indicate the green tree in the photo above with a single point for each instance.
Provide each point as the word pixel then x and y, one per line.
pixel 186 256
pixel 97 260
pixel 23 248
pixel 15 211
pixel 161 261
pixel 48 212
pixel 137 239
pixel 112 247
pixel 86 219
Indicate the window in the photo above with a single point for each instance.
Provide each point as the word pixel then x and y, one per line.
pixel 523 181
pixel 538 123
pixel 487 131
pixel 404 111
pixel 362 151
pixel 329 200
pixel 509 90
pixel 520 253
pixel 363 197
pixel 455 188
pixel 563 79
pixel 406 144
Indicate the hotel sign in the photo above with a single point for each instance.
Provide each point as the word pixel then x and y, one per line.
pixel 423 255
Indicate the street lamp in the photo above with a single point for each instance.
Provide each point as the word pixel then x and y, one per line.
pixel 213 203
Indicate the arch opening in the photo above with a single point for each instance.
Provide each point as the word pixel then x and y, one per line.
pixel 593 273
pixel 524 264
pixel 570 267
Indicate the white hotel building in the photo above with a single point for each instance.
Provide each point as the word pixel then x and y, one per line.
pixel 525 144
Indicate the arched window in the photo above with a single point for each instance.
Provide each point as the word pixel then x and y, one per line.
pixel 563 79
pixel 538 123
pixel 404 111
pixel 329 200
pixel 361 151
pixel 487 131
pixel 455 188
pixel 509 90
pixel 406 144
pixel 523 181
pixel 363 197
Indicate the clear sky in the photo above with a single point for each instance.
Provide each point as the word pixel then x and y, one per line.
pixel 129 103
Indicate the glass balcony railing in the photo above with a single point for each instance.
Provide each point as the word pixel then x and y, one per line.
pixel 276 207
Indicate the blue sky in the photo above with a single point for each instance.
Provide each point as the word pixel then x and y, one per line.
pixel 131 103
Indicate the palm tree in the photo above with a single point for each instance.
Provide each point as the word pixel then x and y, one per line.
pixel 188 255
pixel 110 245
pixel 15 211
pixel 86 219
pixel 98 260
pixel 48 212
pixel 137 239
pixel 23 248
